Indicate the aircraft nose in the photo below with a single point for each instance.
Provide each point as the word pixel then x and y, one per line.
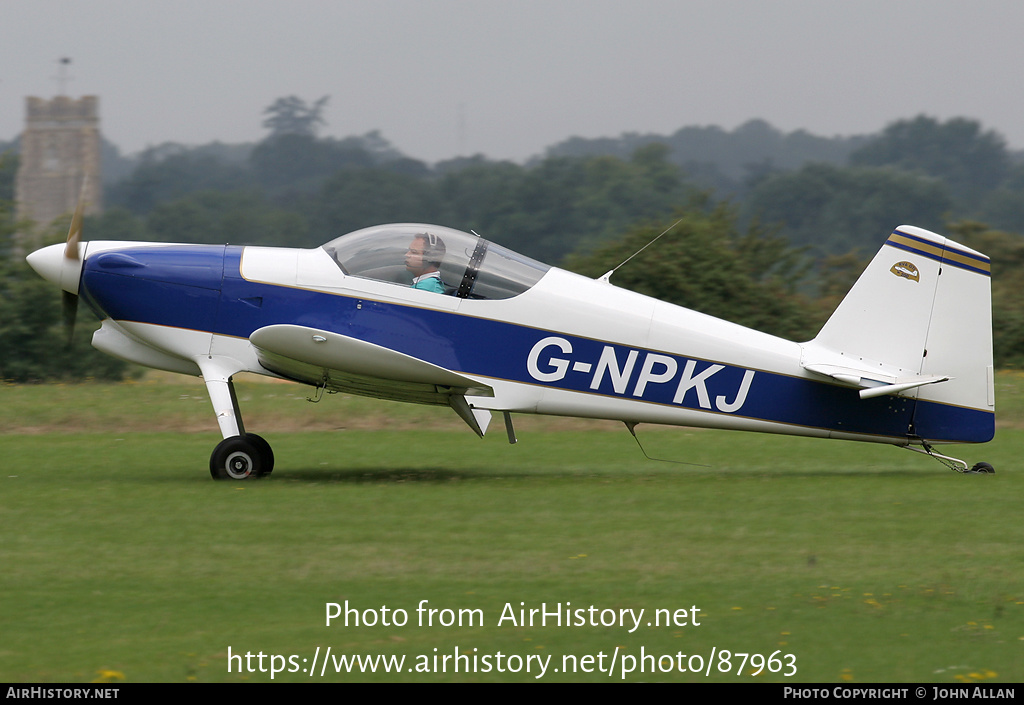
pixel 51 264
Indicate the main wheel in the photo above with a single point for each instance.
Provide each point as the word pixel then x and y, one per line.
pixel 236 458
pixel 265 451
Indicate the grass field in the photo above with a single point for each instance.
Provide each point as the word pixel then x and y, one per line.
pixel 122 559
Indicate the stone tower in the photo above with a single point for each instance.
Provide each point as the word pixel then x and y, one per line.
pixel 59 148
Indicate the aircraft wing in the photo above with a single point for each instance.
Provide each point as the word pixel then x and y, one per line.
pixel 342 363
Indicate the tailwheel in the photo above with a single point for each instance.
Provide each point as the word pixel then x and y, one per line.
pixel 954 464
pixel 241 458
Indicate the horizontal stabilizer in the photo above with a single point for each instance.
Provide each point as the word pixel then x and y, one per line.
pixel 873 382
pixel 901 387
pixel 851 376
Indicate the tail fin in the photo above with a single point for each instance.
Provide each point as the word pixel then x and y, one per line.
pixel 918 323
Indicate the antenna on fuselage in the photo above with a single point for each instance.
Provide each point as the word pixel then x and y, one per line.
pixel 606 278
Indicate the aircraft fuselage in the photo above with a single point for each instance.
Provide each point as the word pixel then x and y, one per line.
pixel 601 351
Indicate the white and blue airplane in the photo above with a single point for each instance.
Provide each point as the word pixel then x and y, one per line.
pixel 426 314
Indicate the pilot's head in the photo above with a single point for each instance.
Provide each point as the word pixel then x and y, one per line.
pixel 425 253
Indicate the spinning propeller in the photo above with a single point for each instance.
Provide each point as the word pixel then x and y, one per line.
pixel 62 265
pixel 69 300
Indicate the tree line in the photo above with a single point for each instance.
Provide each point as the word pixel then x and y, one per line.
pixel 830 195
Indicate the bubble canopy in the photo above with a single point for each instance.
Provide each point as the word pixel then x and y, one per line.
pixel 471 267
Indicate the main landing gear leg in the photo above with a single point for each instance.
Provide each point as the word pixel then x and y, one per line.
pixel 241 455
pixel 954 464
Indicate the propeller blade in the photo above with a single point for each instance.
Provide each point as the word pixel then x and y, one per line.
pixel 69 301
pixel 75 231
pixel 69 311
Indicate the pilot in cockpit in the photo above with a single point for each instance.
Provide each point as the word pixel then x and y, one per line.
pixel 422 259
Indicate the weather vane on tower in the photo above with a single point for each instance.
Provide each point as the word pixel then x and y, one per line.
pixel 62 77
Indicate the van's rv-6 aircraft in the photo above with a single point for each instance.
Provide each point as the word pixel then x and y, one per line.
pixel 906 358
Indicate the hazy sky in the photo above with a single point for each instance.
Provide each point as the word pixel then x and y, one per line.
pixel 510 77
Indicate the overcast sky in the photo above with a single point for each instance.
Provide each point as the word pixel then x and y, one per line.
pixel 508 78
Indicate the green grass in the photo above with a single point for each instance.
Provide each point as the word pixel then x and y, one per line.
pixel 120 557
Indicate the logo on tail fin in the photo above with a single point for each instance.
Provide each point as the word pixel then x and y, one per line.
pixel 906 270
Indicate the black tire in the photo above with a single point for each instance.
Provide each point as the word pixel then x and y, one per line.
pixel 236 458
pixel 983 469
pixel 265 451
